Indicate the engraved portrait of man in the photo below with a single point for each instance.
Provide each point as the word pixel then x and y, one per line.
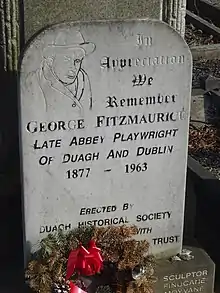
pixel 61 80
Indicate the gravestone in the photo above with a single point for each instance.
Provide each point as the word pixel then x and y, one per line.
pixel 195 275
pixel 104 125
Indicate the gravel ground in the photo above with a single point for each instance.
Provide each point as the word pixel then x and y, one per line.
pixel 204 146
pixel 196 37
pixel 214 2
pixel 202 69
pixel 204 143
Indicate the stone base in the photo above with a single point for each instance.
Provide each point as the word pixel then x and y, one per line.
pixel 192 276
pixel 196 275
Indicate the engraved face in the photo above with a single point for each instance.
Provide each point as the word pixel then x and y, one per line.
pixel 67 64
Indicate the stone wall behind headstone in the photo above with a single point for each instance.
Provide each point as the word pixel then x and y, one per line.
pixel 38 14
pixel 22 19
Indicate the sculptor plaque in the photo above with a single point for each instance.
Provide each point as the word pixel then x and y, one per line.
pixel 104 129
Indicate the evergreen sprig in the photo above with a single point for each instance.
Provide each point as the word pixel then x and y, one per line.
pixel 48 265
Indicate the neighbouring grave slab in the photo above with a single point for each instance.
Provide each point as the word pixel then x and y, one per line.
pixel 104 129
pixel 195 275
pixel 198 111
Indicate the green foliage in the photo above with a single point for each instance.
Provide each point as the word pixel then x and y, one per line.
pixel 48 266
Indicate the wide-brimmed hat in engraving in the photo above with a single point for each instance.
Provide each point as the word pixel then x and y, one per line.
pixel 69 40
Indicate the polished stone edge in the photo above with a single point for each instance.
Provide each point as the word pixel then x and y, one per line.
pixel 199 170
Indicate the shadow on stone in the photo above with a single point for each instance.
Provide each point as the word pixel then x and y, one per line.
pixel 11 251
pixel 206 188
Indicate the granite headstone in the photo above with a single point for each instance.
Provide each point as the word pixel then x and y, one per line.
pixel 104 129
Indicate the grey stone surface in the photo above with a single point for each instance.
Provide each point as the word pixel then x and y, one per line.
pixel 197 115
pixel 174 12
pixel 171 11
pixel 196 275
pixel 204 107
pixel 31 16
pixel 39 14
pixel 208 52
pixel 212 84
pixel 130 169
pixel 9 35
